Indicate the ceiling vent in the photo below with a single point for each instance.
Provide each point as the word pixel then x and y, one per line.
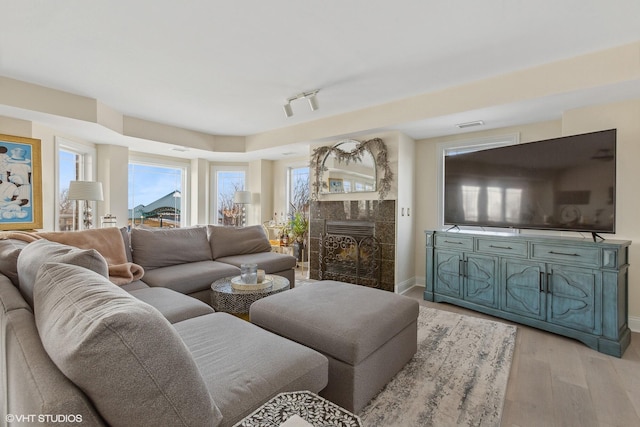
pixel 470 124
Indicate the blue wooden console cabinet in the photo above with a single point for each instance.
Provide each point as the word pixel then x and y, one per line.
pixel 569 286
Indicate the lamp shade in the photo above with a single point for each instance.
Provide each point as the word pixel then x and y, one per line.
pixel 242 197
pixel 85 190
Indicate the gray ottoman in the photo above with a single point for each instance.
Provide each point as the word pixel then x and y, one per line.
pixel 367 334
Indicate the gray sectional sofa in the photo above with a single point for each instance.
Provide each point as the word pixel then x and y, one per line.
pixel 72 343
pixel 188 260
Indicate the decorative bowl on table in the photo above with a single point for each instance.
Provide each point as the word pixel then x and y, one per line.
pixel 239 285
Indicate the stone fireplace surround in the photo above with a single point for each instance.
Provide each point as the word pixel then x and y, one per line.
pixel 381 213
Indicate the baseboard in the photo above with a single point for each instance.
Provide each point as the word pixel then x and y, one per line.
pixel 403 287
pixel 634 323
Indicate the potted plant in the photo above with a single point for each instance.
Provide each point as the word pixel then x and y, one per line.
pixel 299 226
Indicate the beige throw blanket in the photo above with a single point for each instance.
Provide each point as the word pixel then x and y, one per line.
pixel 107 241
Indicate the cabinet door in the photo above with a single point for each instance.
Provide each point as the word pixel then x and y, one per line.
pixel 480 285
pixel 523 285
pixel 574 298
pixel 448 275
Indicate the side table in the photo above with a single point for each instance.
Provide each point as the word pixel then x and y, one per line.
pixel 315 410
pixel 229 300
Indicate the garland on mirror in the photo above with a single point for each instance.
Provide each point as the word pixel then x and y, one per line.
pixel 375 146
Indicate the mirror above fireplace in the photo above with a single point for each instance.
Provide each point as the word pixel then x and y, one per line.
pixel 348 168
pixel 351 166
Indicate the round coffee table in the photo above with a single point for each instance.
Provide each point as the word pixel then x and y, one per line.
pixel 229 300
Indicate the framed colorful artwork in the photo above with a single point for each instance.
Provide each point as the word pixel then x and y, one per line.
pixel 20 183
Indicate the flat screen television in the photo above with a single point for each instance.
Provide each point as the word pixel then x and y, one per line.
pixel 566 183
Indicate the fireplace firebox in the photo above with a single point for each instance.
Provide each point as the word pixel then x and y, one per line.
pixel 350 252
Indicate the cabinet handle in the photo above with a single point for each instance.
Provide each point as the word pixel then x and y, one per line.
pixel 549 290
pixel 461 268
pixel 455 243
pixel 541 282
pixel 562 253
pixel 500 247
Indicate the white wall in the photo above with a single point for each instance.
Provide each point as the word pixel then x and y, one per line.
pixel 113 172
pixel 405 215
pixel 200 194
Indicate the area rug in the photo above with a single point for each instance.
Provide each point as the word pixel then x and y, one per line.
pixel 458 377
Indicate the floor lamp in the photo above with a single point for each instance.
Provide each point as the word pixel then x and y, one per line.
pixel 242 198
pixel 87 191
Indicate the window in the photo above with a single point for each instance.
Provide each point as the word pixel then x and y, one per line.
pixel 501 205
pixel 226 181
pixel 298 191
pixel 156 194
pixel 74 162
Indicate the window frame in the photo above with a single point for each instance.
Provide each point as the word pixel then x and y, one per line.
pixel 185 174
pixel 289 189
pixel 215 169
pixel 87 172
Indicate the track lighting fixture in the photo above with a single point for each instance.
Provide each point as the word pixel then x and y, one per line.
pixel 313 102
pixel 287 109
pixel 309 96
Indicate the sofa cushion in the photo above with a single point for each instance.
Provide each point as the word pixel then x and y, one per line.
pixel 126 238
pixel 37 253
pixel 122 352
pixel 270 262
pixel 9 251
pixel 191 277
pixel 255 368
pixel 34 385
pixel 169 246
pixel 136 284
pixel 173 305
pixel 10 298
pixel 226 241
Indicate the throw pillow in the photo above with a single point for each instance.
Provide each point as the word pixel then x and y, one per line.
pixel 9 251
pixel 37 253
pixel 169 246
pixel 119 350
pixel 227 241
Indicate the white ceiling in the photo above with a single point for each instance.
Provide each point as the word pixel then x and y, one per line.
pixel 227 67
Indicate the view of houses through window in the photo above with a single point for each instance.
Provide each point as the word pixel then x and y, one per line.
pixel 155 195
pixel 227 183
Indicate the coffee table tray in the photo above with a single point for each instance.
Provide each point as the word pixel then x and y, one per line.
pixel 239 285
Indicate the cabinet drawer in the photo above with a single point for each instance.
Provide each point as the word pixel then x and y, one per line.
pixel 454 242
pixel 502 247
pixel 568 254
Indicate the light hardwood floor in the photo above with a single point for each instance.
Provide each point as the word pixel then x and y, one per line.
pixel 557 381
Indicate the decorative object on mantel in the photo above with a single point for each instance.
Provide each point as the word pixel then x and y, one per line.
pixel 375 146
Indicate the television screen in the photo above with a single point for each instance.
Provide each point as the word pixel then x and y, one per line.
pixel 565 183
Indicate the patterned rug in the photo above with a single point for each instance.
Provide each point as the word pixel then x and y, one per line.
pixel 458 377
